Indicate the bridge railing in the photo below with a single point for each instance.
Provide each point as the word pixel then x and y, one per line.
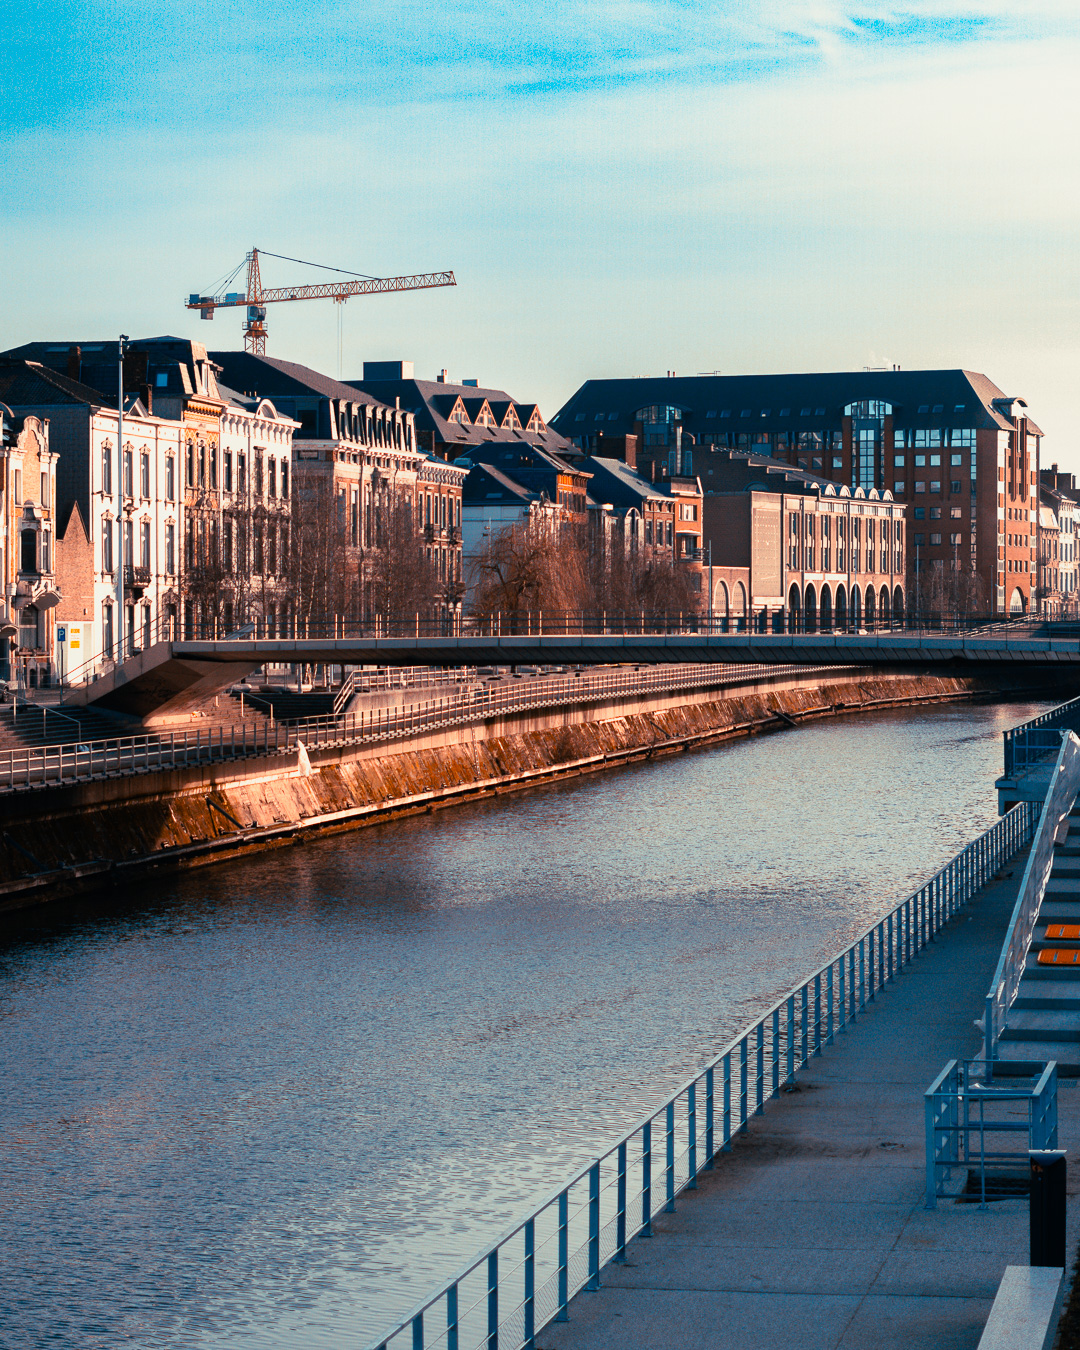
pixel 86 761
pixel 1039 739
pixel 541 623
pixel 1060 796
pixel 510 1290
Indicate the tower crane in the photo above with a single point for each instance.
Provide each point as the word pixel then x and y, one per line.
pixel 256 297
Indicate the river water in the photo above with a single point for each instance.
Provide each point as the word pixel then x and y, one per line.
pixel 272 1104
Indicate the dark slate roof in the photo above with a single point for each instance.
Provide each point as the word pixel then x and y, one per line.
pixel 735 471
pixel 960 398
pixel 615 482
pixel 270 376
pixel 485 484
pixel 25 384
pixel 431 403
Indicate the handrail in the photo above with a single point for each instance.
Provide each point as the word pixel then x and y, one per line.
pixel 525 1279
pixel 44 766
pixel 1032 741
pixel 1060 796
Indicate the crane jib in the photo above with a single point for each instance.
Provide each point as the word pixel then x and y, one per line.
pixel 327 291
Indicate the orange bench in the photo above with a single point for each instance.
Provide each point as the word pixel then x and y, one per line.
pixel 1064 932
pixel 1059 956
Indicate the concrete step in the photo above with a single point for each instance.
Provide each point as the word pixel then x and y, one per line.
pixel 1066 1053
pixel 1033 971
pixel 1061 1025
pixel 1056 909
pixel 1063 996
pixel 1063 886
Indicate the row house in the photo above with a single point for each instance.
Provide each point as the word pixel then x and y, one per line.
pixel 960 454
pixel 118 512
pixel 30 590
pixel 663 520
pixel 1059 568
pixel 204 498
pixel 816 555
pixel 360 473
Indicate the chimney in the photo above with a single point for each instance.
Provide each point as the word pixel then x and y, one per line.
pixel 74 363
pixel 441 377
pixel 630 445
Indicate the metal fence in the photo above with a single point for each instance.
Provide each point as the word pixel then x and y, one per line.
pixel 1060 796
pixel 1039 739
pixel 502 1298
pixel 967 1110
pixel 86 761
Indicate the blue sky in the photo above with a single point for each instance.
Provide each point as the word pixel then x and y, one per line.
pixel 626 187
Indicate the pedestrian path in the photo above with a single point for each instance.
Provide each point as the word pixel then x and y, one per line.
pixel 811 1232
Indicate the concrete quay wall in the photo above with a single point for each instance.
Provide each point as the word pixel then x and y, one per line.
pixel 82 836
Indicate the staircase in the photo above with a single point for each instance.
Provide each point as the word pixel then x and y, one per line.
pixel 1044 1020
pixel 287 705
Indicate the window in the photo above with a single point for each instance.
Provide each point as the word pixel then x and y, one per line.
pixel 954 539
pixel 170 549
pixel 964 437
pixel 189 477
pixel 106 546
pixel 837 462
pixel 920 461
pixel 28 551
pixel 711 412
pixel 44 491
pixel 726 412
pixel 935 461
pixel 144 544
pixel 956 459
pixel 898 440
pixel 935 538
pixel 241 473
pixel 144 475
pixel 170 478
pixel 920 513
pixel 898 487
pixel 272 491
pixel 935 485
pixel 765 412
pixel 935 513
pixel 213 465
pixel 483 418
pixel 128 529
pixel 920 486
pixel 919 540
pixel 819 412
pixel 898 461
pixel 954 485
pixel 161 379
pixel 106 472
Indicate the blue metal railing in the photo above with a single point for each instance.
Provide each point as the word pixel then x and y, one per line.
pixel 1054 812
pixel 1039 739
pixel 506 1294
pixel 960 1118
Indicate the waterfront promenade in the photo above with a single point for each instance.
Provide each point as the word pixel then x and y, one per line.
pixel 812 1230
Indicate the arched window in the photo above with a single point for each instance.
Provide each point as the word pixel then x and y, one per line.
pixel 870 606
pixel 841 607
pixel 826 609
pixel 28 551
pixel 898 604
pixel 738 606
pixel 810 610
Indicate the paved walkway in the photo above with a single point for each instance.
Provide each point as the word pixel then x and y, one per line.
pixel 811 1233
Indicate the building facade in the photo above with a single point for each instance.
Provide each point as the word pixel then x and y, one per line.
pixel 960 454
pixel 31 591
pixel 118 513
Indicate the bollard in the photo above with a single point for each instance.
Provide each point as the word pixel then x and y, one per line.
pixel 1047 1207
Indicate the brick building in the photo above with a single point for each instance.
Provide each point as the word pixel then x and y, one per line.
pixel 960 454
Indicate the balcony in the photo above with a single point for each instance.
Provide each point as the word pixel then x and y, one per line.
pixel 136 579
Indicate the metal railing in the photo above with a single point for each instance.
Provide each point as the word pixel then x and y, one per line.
pixel 46 766
pixel 1060 796
pixel 957 1123
pixel 1039 739
pixel 506 1294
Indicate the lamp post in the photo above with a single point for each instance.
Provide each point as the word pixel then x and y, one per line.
pixel 119 483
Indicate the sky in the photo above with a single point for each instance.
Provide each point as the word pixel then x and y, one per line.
pixel 622 188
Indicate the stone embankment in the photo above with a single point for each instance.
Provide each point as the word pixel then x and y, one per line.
pixel 62 840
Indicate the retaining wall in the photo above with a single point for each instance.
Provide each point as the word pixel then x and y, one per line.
pixel 59 841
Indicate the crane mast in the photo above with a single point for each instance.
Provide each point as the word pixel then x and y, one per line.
pixel 256 298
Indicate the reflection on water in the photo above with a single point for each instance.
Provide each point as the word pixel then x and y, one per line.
pixel 273 1103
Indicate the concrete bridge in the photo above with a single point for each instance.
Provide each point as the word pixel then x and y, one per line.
pixel 171 677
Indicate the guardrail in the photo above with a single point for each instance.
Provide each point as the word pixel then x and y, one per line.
pixel 1039 739
pixel 86 761
pixel 1060 796
pixel 955 1107
pixel 506 1294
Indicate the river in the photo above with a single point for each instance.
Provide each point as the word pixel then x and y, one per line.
pixel 271 1104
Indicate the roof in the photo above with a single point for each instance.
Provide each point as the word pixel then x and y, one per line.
pixel 615 482
pixel 25 384
pixel 270 376
pixel 485 485
pixel 960 398
pixel 431 403
pixel 735 471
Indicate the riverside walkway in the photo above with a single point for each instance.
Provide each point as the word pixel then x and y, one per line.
pixel 812 1231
